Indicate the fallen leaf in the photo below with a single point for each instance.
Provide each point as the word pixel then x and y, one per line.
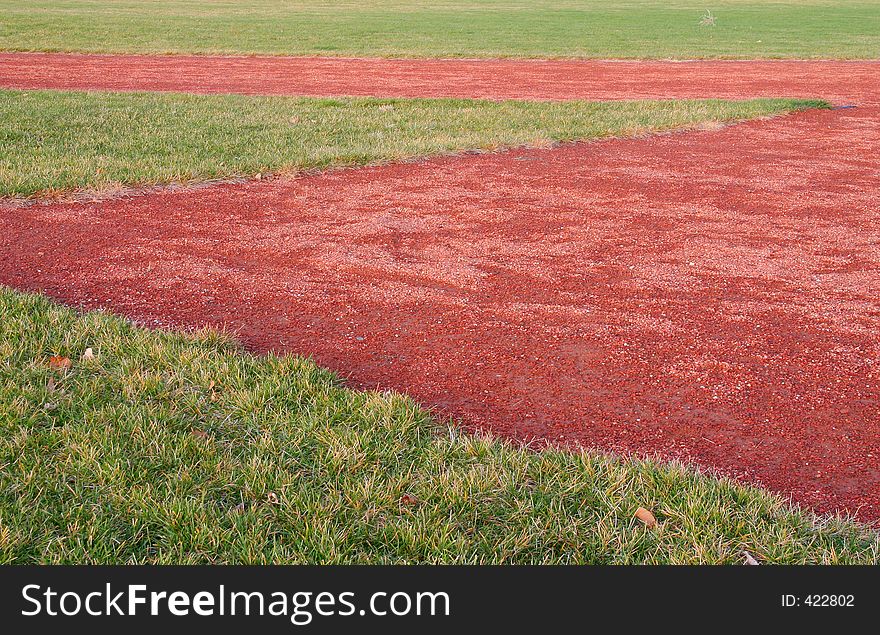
pixel 200 434
pixel 406 499
pixel 89 354
pixel 646 517
pixel 59 362
pixel 750 559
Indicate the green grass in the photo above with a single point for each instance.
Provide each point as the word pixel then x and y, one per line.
pixel 176 448
pixel 488 28
pixel 55 141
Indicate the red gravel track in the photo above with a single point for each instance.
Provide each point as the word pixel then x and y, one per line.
pixel 708 295
pixel 492 79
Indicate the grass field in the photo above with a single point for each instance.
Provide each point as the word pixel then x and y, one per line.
pixel 170 448
pixel 453 28
pixel 56 141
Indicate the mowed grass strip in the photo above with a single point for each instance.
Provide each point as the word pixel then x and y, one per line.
pixel 173 448
pixel 450 28
pixel 58 141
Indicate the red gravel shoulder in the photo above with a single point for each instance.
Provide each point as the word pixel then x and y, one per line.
pixel 710 295
pixel 839 81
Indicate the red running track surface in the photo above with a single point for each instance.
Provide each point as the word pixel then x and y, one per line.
pixel 708 295
pixel 491 79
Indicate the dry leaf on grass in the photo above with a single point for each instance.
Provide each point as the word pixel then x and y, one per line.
pixel 89 354
pixel 750 559
pixel 646 517
pixel 200 434
pixel 59 362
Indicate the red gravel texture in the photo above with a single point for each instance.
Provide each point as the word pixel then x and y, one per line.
pixel 709 295
pixel 491 79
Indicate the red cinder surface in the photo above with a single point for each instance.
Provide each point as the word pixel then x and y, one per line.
pixel 709 295
pixel 491 79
